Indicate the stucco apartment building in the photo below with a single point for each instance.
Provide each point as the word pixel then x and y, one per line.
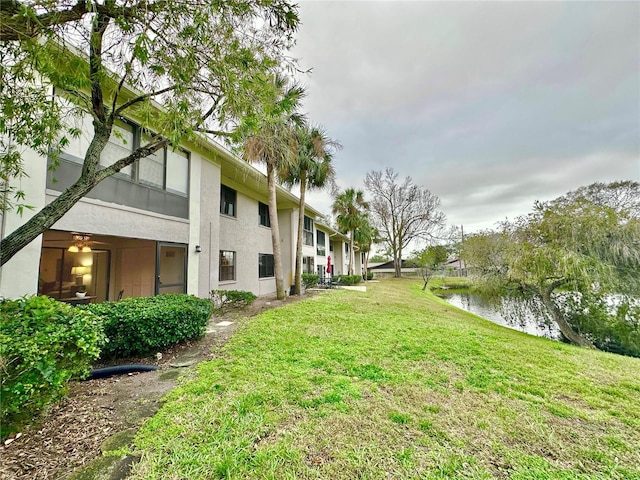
pixel 188 219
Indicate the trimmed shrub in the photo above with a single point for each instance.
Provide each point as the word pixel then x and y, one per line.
pixel 350 280
pixel 369 275
pixel 231 298
pixel 310 280
pixel 43 343
pixel 138 326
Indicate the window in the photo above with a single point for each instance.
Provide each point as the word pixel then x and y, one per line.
pixel 227 201
pixel 307 265
pixel 265 265
pixel 330 246
pixel 307 234
pixel 263 213
pixel 167 169
pixel 151 167
pixel 177 171
pixel 320 250
pixel 227 265
pixel 120 145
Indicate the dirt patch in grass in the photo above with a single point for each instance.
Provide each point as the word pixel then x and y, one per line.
pixel 77 429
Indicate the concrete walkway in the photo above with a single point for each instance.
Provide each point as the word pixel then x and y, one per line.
pixel 355 288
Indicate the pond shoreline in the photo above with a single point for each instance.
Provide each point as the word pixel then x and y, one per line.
pixel 494 311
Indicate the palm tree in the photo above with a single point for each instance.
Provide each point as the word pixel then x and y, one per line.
pixel 365 235
pixel 313 169
pixel 349 207
pixel 268 136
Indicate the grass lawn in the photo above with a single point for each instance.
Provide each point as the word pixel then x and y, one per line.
pixel 395 383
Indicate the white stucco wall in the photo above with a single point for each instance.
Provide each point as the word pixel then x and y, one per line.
pixel 195 205
pixel 243 234
pixel 98 217
pixel 209 228
pixel 19 276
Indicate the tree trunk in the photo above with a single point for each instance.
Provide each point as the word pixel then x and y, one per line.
pixel 275 232
pixel 565 328
pixel 54 211
pixel 298 275
pixel 351 257
pixel 89 178
pixel 397 264
pixel 366 265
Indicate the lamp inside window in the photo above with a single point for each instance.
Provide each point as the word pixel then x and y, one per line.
pixel 79 272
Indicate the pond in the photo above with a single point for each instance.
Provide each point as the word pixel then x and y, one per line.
pixel 506 314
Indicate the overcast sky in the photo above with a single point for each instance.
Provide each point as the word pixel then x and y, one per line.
pixel 489 105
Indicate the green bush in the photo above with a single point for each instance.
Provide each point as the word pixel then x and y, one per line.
pixel 310 280
pixel 231 298
pixel 137 326
pixel 369 275
pixel 349 280
pixel 43 343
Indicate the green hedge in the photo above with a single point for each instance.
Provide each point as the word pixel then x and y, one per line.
pixel 231 298
pixel 43 343
pixel 310 280
pixel 138 326
pixel 349 279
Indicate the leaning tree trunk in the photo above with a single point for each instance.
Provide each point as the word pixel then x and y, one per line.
pixel 275 232
pixel 566 329
pixel 54 211
pixel 89 178
pixel 298 274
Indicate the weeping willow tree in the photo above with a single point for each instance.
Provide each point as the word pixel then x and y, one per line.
pixel 579 258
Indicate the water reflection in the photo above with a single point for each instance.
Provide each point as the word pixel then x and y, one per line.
pixel 508 313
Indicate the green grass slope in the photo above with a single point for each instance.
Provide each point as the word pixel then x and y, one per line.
pixel 395 383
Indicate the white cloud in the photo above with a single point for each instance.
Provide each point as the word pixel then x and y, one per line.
pixel 501 103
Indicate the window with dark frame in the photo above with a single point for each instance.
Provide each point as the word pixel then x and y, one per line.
pixel 265 265
pixel 263 214
pixel 227 201
pixel 151 168
pixel 227 265
pixel 167 169
pixel 308 265
pixel 121 144
pixel 320 240
pixel 307 231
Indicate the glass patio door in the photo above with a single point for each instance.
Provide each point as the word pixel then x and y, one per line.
pixel 171 268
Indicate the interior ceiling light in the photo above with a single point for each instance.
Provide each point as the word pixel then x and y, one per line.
pixel 80 244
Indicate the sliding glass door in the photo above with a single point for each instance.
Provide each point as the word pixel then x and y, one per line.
pixel 171 268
